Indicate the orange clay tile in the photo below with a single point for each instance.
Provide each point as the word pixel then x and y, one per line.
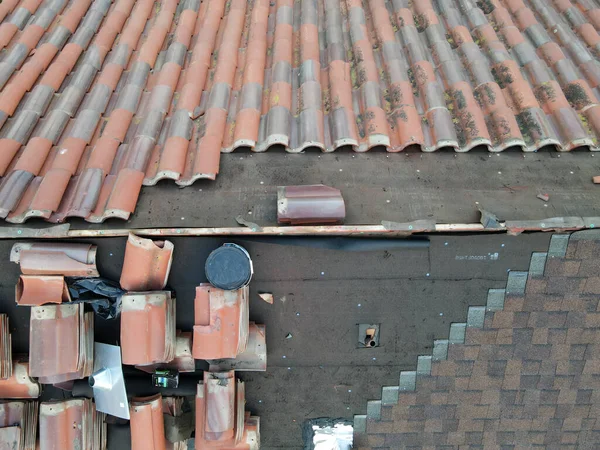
pixel 224 333
pixel 147 426
pixel 220 418
pixel 71 424
pixel 22 415
pixel 19 385
pixel 35 290
pixel 74 260
pixel 148 328
pixel 116 96
pixel 147 264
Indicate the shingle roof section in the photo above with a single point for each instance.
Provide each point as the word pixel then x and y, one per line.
pixel 527 373
pixel 99 98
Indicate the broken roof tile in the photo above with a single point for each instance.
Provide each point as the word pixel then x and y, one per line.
pixel 147 264
pixel 221 421
pixel 42 258
pixel 148 334
pixel 99 98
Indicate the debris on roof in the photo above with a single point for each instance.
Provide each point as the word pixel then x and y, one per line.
pixel 18 424
pixel 61 343
pixel 147 425
pixel 314 204
pixel 266 296
pixel 19 384
pixel 596 180
pixel 221 421
pixel 148 334
pixel 35 290
pixel 147 264
pixel 543 197
pixel 71 424
pixel 43 258
pixel 6 359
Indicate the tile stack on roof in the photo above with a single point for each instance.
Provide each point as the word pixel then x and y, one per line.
pixel 148 334
pixel 19 384
pixel 122 101
pixel 6 367
pixel 183 361
pixel 18 424
pixel 147 425
pixel 223 334
pixel 72 424
pixel 221 421
pixel 524 369
pixel 61 343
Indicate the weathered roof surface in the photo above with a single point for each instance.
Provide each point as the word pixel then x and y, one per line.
pixel 524 369
pixel 100 97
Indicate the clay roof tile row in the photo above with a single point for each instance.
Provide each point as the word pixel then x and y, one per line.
pixel 99 98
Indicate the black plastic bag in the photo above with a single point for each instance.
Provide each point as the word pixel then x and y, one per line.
pixel 103 295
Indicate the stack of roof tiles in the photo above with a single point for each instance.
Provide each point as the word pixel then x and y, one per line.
pixel 61 335
pixel 148 334
pixel 72 424
pixel 19 384
pixel 223 334
pixel 6 367
pixel 61 343
pixel 98 97
pixel 18 424
pixel 221 421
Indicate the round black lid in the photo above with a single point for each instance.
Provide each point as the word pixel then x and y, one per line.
pixel 229 267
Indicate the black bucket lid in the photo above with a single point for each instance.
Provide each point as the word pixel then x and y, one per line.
pixel 229 267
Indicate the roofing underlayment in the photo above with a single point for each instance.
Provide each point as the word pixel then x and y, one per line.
pixel 99 97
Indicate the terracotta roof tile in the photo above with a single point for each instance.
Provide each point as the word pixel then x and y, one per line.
pixel 22 415
pixel 61 340
pixel 221 421
pixel 19 384
pixel 6 362
pixel 147 264
pixel 148 334
pixel 74 260
pixel 100 97
pixel 147 425
pixel 71 424
pixel 221 322
pixel 35 290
